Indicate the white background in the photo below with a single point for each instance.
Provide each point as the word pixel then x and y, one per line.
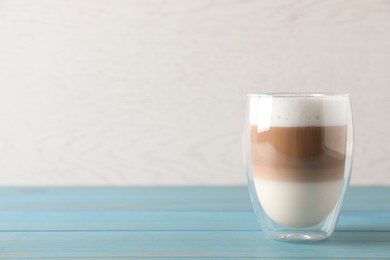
pixel 153 91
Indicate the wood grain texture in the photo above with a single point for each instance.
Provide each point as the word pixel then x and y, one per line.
pixel 153 91
pixel 206 230
pixel 144 198
pixel 169 220
pixel 205 244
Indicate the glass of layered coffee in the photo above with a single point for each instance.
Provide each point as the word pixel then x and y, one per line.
pixel 298 158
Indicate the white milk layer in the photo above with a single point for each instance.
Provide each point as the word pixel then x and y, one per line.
pixel 298 204
pixel 297 111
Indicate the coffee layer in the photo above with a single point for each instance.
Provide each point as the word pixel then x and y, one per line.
pixel 302 154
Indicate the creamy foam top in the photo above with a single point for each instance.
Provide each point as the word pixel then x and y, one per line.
pixel 297 111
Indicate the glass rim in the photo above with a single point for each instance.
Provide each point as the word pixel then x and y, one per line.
pixel 298 94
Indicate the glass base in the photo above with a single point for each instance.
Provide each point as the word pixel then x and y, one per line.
pixel 298 236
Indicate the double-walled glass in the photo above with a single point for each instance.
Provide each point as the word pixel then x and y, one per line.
pixel 298 157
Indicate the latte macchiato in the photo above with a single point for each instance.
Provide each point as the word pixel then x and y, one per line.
pixel 298 158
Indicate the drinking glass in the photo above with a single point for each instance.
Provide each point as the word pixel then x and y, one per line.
pixel 298 158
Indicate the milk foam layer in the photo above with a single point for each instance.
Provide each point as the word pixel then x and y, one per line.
pixel 295 204
pixel 297 111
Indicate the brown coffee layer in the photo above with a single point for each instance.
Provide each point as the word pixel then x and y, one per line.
pixel 299 153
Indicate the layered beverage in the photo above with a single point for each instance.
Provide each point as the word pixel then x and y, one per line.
pixel 298 155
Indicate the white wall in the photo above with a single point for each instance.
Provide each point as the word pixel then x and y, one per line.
pixel 153 91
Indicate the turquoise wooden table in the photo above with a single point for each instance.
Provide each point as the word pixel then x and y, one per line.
pixel 173 223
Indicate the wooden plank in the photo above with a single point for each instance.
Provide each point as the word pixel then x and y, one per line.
pixel 364 221
pixel 128 220
pixel 367 198
pixel 125 198
pixel 233 244
pixel 168 221
pixel 191 198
